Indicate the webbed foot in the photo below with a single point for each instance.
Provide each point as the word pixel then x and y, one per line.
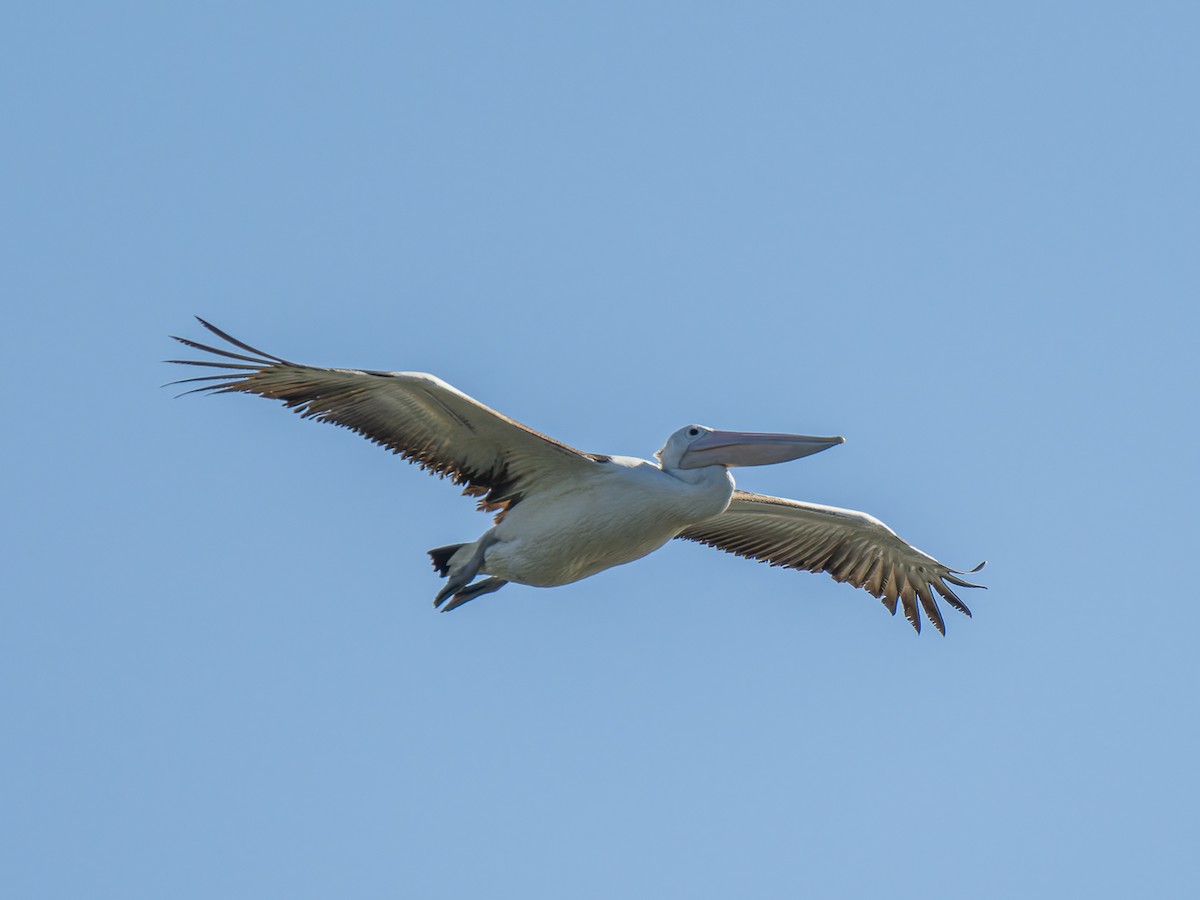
pixel 476 590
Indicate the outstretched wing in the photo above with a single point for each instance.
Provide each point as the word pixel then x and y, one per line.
pixel 418 416
pixel 851 546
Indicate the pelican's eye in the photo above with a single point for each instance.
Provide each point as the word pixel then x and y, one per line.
pixel 692 432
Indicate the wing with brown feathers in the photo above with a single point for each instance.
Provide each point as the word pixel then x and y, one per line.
pixel 415 415
pixel 851 546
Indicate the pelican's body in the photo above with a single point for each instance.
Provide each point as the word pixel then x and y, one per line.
pixel 564 514
pixel 622 510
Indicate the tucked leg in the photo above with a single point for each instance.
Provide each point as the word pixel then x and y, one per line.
pixel 461 574
pixel 475 590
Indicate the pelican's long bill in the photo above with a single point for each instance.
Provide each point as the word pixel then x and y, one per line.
pixel 746 448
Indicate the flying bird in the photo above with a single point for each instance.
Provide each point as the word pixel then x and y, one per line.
pixel 563 515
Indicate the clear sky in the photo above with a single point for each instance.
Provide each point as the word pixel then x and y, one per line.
pixel 965 236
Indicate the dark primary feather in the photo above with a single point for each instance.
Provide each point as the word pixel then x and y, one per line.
pixel 851 546
pixel 413 414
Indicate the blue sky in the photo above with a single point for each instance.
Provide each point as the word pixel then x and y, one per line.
pixel 962 235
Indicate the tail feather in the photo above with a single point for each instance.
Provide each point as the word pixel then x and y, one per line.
pixel 441 557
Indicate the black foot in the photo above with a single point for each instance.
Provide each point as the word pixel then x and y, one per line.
pixel 476 590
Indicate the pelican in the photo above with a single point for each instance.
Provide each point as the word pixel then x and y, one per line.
pixel 563 515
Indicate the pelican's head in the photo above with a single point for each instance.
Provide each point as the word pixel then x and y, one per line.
pixel 696 446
